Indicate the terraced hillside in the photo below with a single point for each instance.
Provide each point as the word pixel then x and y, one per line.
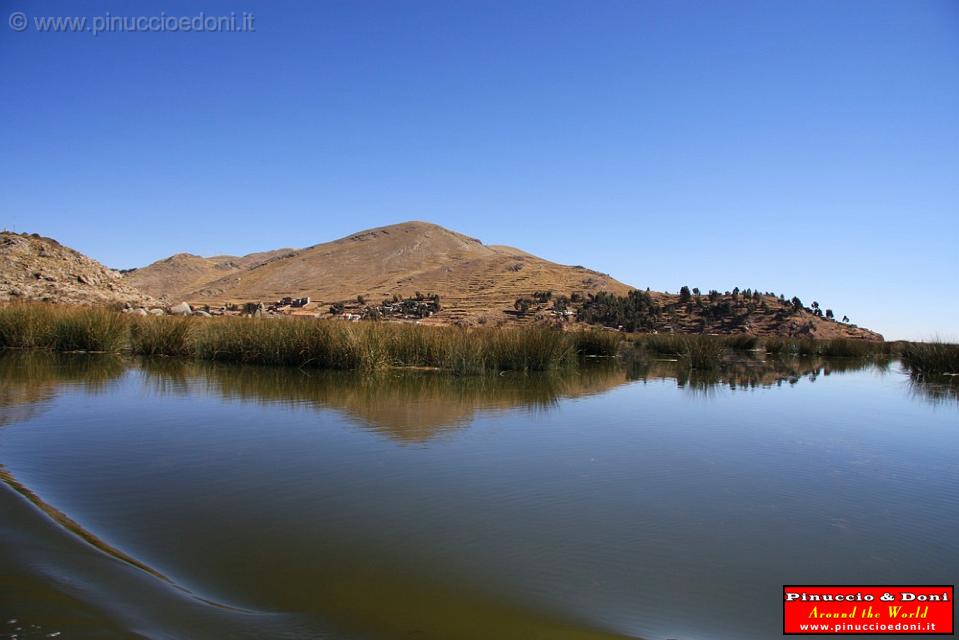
pixel 473 279
pixel 476 283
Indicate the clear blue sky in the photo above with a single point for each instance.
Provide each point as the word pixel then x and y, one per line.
pixel 806 147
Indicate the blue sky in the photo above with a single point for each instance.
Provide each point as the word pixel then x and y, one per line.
pixel 806 147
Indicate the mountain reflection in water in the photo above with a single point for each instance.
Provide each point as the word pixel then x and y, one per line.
pixel 406 405
pixel 633 497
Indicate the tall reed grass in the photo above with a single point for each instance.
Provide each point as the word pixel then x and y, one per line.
pixel 836 348
pixel 741 342
pixel 62 328
pixel 930 358
pixel 301 342
pixel 152 336
pixel 697 351
pixel 596 342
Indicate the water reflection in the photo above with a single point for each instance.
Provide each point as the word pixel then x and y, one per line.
pixel 410 406
pixel 942 389
pixel 746 372
pixel 30 379
pixel 583 504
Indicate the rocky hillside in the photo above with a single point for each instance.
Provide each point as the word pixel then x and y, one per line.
pixel 409 270
pixel 180 275
pixel 473 280
pixel 34 268
pixel 745 312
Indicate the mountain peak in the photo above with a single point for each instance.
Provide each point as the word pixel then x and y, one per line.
pixel 409 228
pixel 473 279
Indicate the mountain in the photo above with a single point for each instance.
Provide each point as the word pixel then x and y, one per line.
pixel 180 275
pixel 471 278
pixel 476 283
pixel 34 268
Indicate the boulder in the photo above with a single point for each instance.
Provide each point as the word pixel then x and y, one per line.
pixel 140 312
pixel 157 312
pixel 202 314
pixel 182 309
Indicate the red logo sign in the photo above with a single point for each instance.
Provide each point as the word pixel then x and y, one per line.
pixel 919 610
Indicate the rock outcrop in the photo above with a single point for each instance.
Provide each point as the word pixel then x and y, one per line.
pixel 38 269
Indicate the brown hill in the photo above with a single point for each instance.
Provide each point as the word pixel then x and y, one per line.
pixel 471 278
pixel 474 281
pixel 34 268
pixel 182 274
pixel 730 313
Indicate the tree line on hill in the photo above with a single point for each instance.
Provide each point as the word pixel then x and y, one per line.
pixel 639 310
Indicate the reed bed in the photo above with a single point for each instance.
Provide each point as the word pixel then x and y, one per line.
pixel 791 346
pixel 595 342
pixel 741 342
pixel 930 358
pixel 301 342
pixel 708 351
pixel 845 348
pixel 371 346
pixel 25 327
pixel 666 344
pixel 698 351
pixel 703 354
pixel 837 348
pixel 62 328
pixel 151 336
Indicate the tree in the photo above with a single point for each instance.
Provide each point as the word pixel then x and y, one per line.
pixel 797 303
pixel 633 312
pixel 684 293
pixel 522 306
pixel 695 291
pixel 829 314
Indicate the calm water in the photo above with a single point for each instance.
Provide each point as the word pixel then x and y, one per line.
pixel 171 500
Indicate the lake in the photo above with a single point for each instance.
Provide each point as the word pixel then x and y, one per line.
pixel 165 499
